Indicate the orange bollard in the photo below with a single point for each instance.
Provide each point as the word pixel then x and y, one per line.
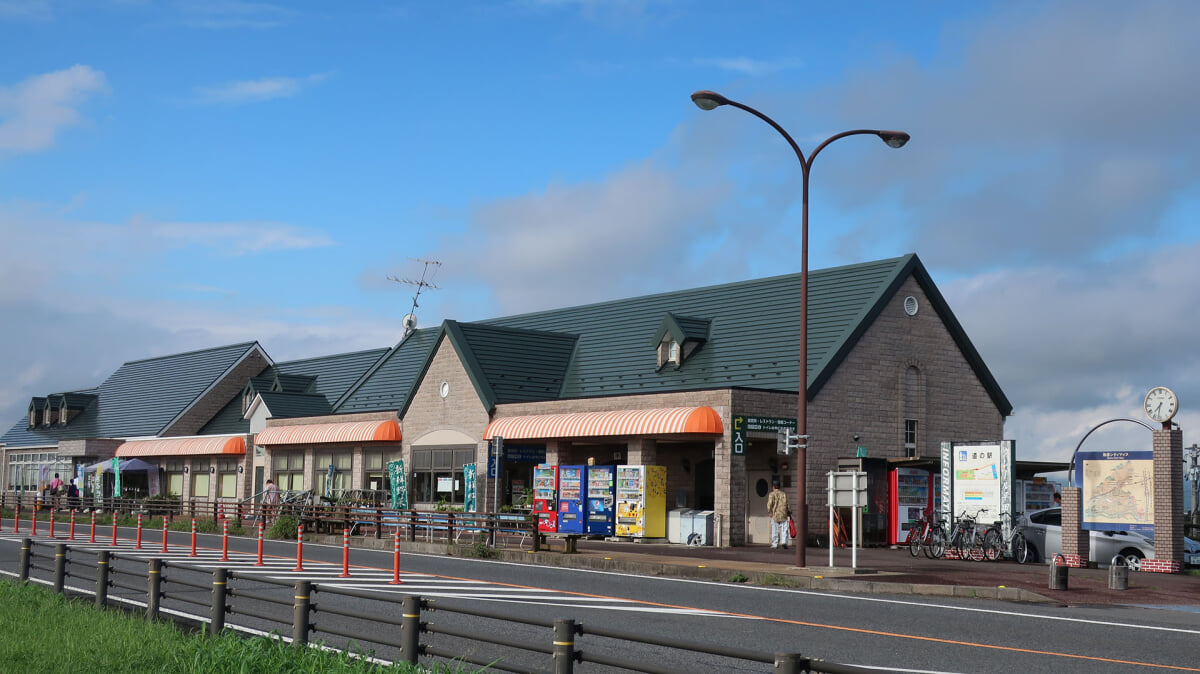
pixel 35 521
pixel 51 523
pixel 345 553
pixel 396 559
pixel 164 534
pixel 114 516
pixel 299 548
pixel 138 538
pixel 72 525
pixel 17 518
pixel 193 537
pixel 224 540
pixel 260 544
pixel 93 526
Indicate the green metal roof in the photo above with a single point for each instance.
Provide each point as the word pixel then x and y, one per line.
pixel 140 399
pixel 752 337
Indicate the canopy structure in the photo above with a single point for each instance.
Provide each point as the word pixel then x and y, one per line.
pixel 193 446
pixel 126 465
pixel 315 434
pixel 668 421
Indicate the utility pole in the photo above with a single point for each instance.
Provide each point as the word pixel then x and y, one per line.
pixel 1191 463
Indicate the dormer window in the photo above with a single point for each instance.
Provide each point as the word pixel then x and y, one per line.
pixel 37 412
pixel 63 413
pixel 678 338
pixel 673 352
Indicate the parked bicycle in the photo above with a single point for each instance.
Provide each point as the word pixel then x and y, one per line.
pixel 967 537
pixel 995 542
pixel 927 534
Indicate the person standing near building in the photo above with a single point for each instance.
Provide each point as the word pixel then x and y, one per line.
pixel 270 500
pixel 777 509
pixel 56 486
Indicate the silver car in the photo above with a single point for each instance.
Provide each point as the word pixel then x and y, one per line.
pixel 1043 530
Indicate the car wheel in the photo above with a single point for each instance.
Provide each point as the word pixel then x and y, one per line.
pixel 1133 559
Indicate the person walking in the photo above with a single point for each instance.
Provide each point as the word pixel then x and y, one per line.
pixel 73 495
pixel 270 500
pixel 56 485
pixel 777 509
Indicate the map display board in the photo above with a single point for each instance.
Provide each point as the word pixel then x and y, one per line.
pixel 1117 490
pixel 978 477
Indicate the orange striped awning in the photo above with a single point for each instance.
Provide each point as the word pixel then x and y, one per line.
pixel 674 420
pixel 214 444
pixel 313 434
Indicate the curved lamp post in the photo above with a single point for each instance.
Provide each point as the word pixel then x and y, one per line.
pixel 710 100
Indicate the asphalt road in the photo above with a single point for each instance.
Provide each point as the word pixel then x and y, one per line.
pixel 889 633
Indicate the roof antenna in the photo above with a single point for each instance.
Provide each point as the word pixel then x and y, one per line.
pixel 410 319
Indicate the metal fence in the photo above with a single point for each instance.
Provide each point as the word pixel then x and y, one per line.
pixel 391 628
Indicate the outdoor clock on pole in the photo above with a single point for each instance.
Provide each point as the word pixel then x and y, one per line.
pixel 1161 404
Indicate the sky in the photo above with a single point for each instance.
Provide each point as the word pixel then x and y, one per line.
pixel 180 175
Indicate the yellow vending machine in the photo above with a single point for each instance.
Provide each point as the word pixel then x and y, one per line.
pixel 642 501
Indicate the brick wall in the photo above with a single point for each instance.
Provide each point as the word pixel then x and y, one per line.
pixel 1076 542
pixel 1168 500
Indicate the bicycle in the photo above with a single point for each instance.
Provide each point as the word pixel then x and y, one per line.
pixel 966 539
pixel 929 535
pixel 995 542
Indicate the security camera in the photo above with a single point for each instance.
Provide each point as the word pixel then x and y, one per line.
pixel 856 438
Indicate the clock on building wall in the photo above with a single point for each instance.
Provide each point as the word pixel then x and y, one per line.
pixel 1161 404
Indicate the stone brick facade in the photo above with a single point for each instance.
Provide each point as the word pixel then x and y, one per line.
pixel 1076 542
pixel 1168 502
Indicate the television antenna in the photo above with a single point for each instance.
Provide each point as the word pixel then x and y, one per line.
pixel 410 319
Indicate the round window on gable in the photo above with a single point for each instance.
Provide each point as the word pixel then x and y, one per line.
pixel 910 305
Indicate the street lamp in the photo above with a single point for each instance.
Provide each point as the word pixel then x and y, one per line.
pixel 710 100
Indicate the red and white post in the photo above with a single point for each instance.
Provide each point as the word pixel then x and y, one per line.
pixel 164 548
pixel 299 548
pixel 93 540
pixel 114 538
pixel 224 540
pixel 345 553
pixel 72 525
pixel 260 544
pixel 138 538
pixel 193 537
pixel 35 520
pixel 396 559
pixel 52 523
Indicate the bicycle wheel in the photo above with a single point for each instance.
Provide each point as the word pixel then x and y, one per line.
pixel 915 536
pixel 935 542
pixel 975 546
pixel 956 543
pixel 993 544
pixel 1020 548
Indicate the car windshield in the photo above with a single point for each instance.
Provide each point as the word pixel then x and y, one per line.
pixel 1052 517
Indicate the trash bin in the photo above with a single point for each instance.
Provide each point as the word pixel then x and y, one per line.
pixel 675 525
pixel 699 528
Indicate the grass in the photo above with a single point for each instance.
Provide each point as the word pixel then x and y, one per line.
pixel 738 577
pixel 111 641
pixel 774 579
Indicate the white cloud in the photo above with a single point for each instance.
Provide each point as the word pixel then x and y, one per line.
pixel 33 112
pixel 28 10
pixel 256 91
pixel 752 67
pixel 232 14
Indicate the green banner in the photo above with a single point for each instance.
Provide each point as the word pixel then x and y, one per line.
pixel 116 477
pixel 399 480
pixel 469 479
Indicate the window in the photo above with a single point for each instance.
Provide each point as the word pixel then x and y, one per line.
pixel 227 478
pixel 673 352
pixel 174 474
pixel 287 470
pixel 438 475
pixel 375 473
pixel 200 478
pixel 32 472
pixel 910 437
pixel 337 480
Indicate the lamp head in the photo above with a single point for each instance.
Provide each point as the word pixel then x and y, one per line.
pixel 708 100
pixel 895 139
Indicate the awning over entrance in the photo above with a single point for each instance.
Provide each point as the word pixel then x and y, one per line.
pixel 676 420
pixel 313 434
pixel 215 444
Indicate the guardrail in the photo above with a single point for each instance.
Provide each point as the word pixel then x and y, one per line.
pixel 365 620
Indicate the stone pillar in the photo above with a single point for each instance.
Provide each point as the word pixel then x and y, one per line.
pixel 554 451
pixel 1168 502
pixel 642 452
pixel 1076 542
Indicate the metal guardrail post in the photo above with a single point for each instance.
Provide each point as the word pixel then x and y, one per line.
pixel 102 578
pixel 153 589
pixel 219 592
pixel 23 563
pixel 789 663
pixel 300 613
pixel 410 627
pixel 60 566
pixel 1058 574
pixel 564 646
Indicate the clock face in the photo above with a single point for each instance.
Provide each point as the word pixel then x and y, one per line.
pixel 1161 404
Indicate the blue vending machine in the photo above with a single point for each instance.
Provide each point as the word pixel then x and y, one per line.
pixel 572 493
pixel 601 499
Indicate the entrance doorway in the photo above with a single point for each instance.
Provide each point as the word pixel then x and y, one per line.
pixel 758 523
pixel 704 489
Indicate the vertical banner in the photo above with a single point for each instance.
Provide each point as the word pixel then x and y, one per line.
pixel 116 464
pixel 80 478
pixel 399 480
pixel 329 482
pixel 98 484
pixel 469 504
pixel 154 484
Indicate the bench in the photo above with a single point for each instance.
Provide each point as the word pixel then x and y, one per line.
pixel 568 540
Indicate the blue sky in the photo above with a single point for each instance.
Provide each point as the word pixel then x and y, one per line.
pixel 180 175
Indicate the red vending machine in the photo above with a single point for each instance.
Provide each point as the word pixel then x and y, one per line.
pixel 545 497
pixel 911 495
